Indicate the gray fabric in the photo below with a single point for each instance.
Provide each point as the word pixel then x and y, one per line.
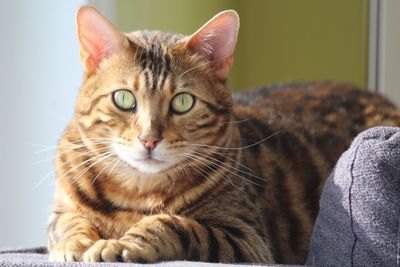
pixel 37 257
pixel 358 223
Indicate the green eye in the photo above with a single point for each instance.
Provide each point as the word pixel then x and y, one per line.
pixel 124 99
pixel 182 102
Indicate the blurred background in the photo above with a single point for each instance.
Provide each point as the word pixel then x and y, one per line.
pixel 354 41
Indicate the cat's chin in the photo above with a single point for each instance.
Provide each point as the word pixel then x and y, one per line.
pixel 146 164
pixel 149 165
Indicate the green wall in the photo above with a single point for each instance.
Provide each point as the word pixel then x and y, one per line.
pixel 279 40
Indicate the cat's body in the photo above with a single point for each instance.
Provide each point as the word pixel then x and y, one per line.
pixel 225 180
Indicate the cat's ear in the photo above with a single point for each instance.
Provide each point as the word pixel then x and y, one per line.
pixel 216 41
pixel 98 38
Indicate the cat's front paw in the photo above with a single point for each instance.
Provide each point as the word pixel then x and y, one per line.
pixel 69 250
pixel 104 251
pixel 118 251
pixel 133 252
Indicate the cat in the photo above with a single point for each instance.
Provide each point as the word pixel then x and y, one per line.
pixel 161 162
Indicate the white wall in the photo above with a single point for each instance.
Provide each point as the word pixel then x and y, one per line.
pixel 40 75
pixel 384 44
pixel 390 69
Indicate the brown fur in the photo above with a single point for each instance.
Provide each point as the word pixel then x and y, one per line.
pixel 234 198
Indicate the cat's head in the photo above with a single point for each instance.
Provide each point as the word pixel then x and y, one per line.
pixel 155 99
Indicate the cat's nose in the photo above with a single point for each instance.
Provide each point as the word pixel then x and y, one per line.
pixel 149 141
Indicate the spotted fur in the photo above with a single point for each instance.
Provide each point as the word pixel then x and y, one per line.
pixel 247 169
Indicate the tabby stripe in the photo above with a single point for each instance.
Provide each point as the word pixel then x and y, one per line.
pixel 202 197
pixel 167 63
pixel 299 155
pixel 273 234
pixel 136 237
pixel 330 140
pixel 154 234
pixel 263 131
pixel 147 79
pixel 106 204
pixel 305 169
pixel 196 236
pixel 247 221
pixel 102 205
pixel 237 251
pixel 285 206
pixel 164 78
pixel 136 82
pixel 207 124
pixel 143 61
pixel 194 254
pixel 213 245
pixel 234 231
pixel 93 104
pixel 176 227
pixel 215 109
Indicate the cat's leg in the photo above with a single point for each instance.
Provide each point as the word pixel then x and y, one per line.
pixel 166 237
pixel 69 236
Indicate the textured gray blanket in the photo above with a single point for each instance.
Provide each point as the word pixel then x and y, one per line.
pixel 37 257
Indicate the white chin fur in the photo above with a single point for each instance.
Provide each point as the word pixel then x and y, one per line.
pixel 146 166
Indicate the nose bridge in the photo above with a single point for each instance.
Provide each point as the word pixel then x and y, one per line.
pixel 151 124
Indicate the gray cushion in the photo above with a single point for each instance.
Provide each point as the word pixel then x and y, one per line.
pixel 37 257
pixel 358 223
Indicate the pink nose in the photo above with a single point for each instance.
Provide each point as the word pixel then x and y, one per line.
pixel 149 142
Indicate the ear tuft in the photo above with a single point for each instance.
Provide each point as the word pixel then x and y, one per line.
pixel 98 38
pixel 216 41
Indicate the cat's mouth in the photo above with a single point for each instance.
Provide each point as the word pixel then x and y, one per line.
pixel 150 160
pixel 144 161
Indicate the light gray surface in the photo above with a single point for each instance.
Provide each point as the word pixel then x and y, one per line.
pixel 37 257
pixel 358 223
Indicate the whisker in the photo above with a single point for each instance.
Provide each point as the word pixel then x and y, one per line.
pixel 66 151
pixel 205 174
pixel 118 162
pixel 64 163
pixel 82 163
pixel 71 144
pixel 79 175
pixel 239 121
pixel 111 162
pixel 219 173
pixel 237 148
pixel 236 169
pixel 230 171
pixel 221 153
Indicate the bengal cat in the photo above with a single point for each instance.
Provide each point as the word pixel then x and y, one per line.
pixel 161 162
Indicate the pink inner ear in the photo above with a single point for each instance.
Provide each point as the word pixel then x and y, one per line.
pixel 97 37
pixel 216 40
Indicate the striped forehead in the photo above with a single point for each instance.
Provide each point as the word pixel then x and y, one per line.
pixel 155 65
pixel 153 56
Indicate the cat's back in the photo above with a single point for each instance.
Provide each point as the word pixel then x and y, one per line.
pixel 320 112
pixel 324 117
